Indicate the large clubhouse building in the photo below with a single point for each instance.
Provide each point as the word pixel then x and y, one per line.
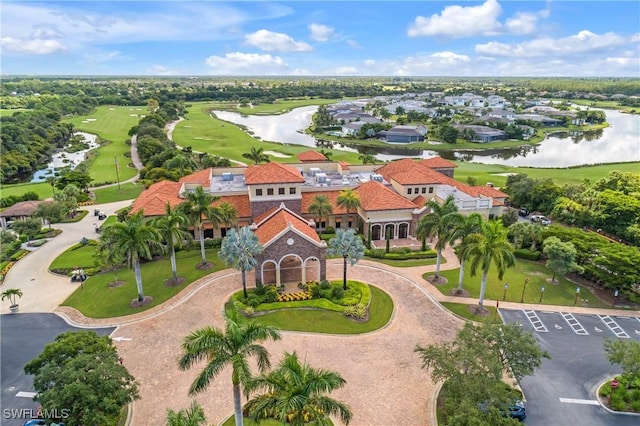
pixel 275 199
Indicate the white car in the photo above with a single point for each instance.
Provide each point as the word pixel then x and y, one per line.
pixel 540 219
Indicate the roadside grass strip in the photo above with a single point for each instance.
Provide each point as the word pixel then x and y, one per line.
pixel 535 321
pixel 613 326
pixel 574 324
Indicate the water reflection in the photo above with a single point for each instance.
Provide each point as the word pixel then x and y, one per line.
pixel 618 143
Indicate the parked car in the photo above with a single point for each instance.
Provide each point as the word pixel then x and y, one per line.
pixel 540 219
pixel 517 410
pixel 523 212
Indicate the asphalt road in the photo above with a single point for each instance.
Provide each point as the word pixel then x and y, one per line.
pixel 23 338
pixel 563 390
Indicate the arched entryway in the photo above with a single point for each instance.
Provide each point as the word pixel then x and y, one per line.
pixel 403 230
pixel 311 269
pixel 290 267
pixel 268 273
pixel 375 232
pixel 390 230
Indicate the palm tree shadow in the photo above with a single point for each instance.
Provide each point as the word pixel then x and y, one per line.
pixel 171 282
pixel 135 303
pixel 205 266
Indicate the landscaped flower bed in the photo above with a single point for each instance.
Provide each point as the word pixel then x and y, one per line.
pixel 294 297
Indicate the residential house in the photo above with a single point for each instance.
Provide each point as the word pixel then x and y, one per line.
pixel 404 134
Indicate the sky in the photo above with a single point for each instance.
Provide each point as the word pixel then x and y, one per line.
pixel 321 38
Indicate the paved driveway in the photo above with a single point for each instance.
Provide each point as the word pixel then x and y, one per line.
pixel 562 392
pixel 23 338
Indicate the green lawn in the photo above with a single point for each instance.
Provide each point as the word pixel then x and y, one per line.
pixel 283 106
pixel 112 123
pixel 96 300
pixel 462 310
pixel 10 112
pixel 331 322
pixel 490 172
pixel 81 257
pixel 604 105
pixel 43 189
pixel 204 133
pixel 561 294
pixel 406 263
pixel 127 191
pixel 231 421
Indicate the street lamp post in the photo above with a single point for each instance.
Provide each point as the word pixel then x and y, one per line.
pixel 526 281
pixel 575 302
pixel 504 295
pixel 541 294
pixel 615 297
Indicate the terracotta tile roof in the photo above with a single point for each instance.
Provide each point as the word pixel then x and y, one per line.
pixel 154 199
pixel 271 173
pixel 278 222
pixel 396 166
pixel 438 163
pixel 311 155
pixel 240 202
pixel 376 196
pixel 344 165
pixel 203 177
pixel 21 208
pixel 419 201
pixel 417 176
pixel 307 199
pixel 490 191
pixel 265 215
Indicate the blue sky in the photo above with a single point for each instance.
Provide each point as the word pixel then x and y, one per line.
pixel 385 38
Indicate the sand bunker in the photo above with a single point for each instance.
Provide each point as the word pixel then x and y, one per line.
pixel 277 154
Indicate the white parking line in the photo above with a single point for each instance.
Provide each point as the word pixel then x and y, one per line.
pixel 613 326
pixel 535 321
pixel 579 401
pixel 574 324
pixel 26 394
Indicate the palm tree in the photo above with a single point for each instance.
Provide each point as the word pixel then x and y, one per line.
pixel 232 347
pixel 320 207
pixel 437 224
pixel 228 214
pixel 197 208
pixel 256 155
pixel 239 249
pixel 295 393
pixel 487 246
pixel 367 158
pixel 349 245
pixel 183 164
pixel 13 294
pixel 133 240
pixel 326 153
pixel 350 200
pixel 51 180
pixel 462 228
pixel 171 228
pixel 192 416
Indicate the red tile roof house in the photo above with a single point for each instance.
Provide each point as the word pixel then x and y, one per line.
pixel 274 199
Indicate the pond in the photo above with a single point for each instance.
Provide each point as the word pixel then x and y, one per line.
pixel 618 143
pixel 63 158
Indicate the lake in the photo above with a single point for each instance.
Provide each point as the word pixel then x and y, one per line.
pixel 66 159
pixel 618 143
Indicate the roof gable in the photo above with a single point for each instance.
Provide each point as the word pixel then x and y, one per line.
pixel 437 163
pixel 311 155
pixel 282 220
pixel 271 173
pixel 202 177
pixel 153 200
pixel 376 196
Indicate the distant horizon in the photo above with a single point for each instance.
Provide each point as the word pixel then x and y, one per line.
pixel 456 38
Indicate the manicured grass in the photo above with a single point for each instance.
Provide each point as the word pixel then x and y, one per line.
pixel 462 310
pixel 284 106
pixel 96 300
pixel 43 189
pixel 10 112
pixel 112 123
pixel 324 321
pixel 231 421
pixel 490 172
pixel 406 263
pixel 561 294
pixel 204 133
pixel 604 105
pixel 75 256
pixel 127 191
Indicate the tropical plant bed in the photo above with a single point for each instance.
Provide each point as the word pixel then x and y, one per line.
pixel 626 397
pixel 468 311
pixel 321 320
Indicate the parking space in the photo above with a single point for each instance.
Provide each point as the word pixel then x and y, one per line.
pixel 563 390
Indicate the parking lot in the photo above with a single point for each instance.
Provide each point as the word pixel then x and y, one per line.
pixel 563 391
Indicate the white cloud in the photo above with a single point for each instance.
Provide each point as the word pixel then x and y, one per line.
pixel 238 63
pixel 158 69
pixel 574 45
pixel 369 62
pixel 353 44
pixel 459 21
pixel 320 32
pixel 450 57
pixel 522 23
pixel 270 41
pixel 33 47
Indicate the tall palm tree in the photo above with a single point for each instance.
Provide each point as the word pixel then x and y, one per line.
pixel 488 246
pixel 296 393
pixel 462 228
pixel 349 245
pixel 228 214
pixel 367 158
pixel 320 207
pixel 437 224
pixel 197 208
pixel 192 416
pixel 350 200
pixel 232 347
pixel 171 228
pixel 183 164
pixel 133 240
pixel 256 155
pixel 239 249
